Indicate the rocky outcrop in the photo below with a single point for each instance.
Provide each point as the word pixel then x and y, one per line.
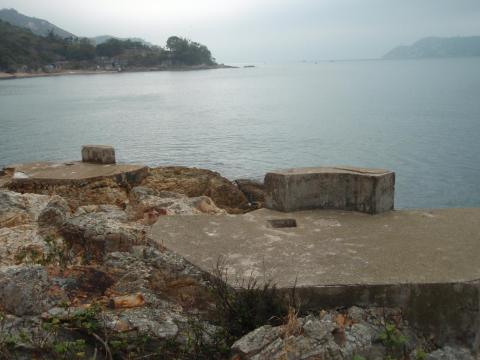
pixel 352 334
pixel 28 227
pixel 105 191
pixel 147 204
pixel 18 209
pixel 450 353
pixel 84 260
pixel 195 182
pixel 22 244
pixel 98 230
pixel 191 182
pixel 330 336
pixel 25 290
pixel 253 190
pixel 55 213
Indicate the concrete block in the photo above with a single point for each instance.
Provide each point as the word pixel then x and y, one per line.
pixel 99 154
pixel 341 188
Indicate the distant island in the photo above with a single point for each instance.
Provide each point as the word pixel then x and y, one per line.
pixel 32 47
pixel 437 47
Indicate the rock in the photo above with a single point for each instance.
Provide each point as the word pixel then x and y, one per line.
pixel 99 233
pixel 88 192
pixel 83 284
pixel 194 182
pixel 99 154
pixel 159 323
pixel 111 212
pixel 450 353
pixel 22 244
pixel 24 290
pixel 147 204
pixel 55 213
pixel 158 278
pixel 127 301
pixel 253 190
pixel 257 340
pixel 356 314
pixel 333 335
pixel 18 209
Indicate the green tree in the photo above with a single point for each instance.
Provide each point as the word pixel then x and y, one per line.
pixel 80 50
pixel 186 52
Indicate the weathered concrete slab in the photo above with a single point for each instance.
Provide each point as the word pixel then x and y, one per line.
pixel 98 154
pixel 76 171
pixel 342 188
pixel 425 261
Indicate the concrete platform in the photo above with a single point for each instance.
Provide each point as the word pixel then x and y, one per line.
pixel 425 261
pixel 75 171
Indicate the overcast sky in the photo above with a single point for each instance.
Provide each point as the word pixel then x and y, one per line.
pixel 266 30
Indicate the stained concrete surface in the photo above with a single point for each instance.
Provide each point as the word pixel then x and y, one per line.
pixel 69 172
pixel 333 247
pixel 424 261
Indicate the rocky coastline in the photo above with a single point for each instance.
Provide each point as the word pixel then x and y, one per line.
pixel 79 278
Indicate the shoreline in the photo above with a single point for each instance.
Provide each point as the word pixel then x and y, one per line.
pixel 7 76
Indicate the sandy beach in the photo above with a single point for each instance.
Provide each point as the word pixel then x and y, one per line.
pixel 23 75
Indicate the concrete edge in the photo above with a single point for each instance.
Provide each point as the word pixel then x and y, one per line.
pixel 131 176
pixel 445 311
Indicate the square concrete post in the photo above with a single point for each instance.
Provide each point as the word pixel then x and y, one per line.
pixel 99 154
pixel 343 188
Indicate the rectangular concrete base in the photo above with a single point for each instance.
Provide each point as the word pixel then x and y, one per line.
pixel 423 261
pixel 98 154
pixel 365 190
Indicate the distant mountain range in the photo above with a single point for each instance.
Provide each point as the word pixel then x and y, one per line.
pixel 37 26
pixel 43 27
pixel 437 47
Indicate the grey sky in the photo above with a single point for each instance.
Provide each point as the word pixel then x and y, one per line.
pixel 266 30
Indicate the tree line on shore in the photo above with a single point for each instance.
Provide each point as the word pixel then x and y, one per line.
pixel 21 50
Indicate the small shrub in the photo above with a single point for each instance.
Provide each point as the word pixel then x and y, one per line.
pixel 55 254
pixel 242 310
pixel 70 349
pixel 206 343
pixel 393 340
pixel 420 354
pixel 358 357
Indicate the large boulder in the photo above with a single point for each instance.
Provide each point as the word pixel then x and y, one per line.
pixel 195 182
pixel 22 244
pixel 101 231
pixel 25 290
pixel 330 335
pixel 18 209
pixel 55 213
pixel 147 204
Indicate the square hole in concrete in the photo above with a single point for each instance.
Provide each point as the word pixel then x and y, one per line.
pixel 282 223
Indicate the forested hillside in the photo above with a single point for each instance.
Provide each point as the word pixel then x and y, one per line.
pixel 21 50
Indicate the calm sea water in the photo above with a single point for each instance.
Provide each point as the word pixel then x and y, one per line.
pixel 420 118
